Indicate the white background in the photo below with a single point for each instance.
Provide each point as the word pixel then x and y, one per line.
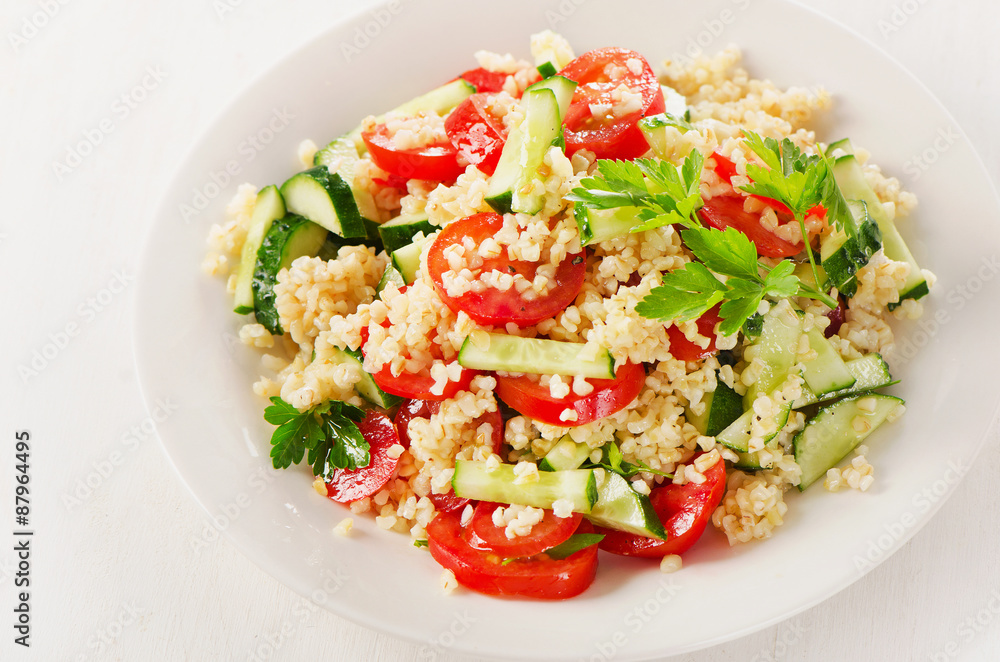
pixel 116 573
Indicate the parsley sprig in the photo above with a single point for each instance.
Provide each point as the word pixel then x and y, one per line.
pixel 328 431
pixel 664 193
pixel 688 293
pixel 798 180
pixel 613 460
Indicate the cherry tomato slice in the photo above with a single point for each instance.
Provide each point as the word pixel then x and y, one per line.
pixel 726 211
pixel 476 135
pixel 436 162
pixel 380 433
pixel 618 137
pixel 483 534
pixel 410 385
pixel 492 306
pixel 485 80
pixel 685 510
pixel 484 572
pixel 684 349
pixel 609 395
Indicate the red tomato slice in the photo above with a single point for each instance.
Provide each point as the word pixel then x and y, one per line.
pixel 483 534
pixel 485 80
pixel 477 135
pixel 380 433
pixel 609 395
pixel 726 211
pixel 484 572
pixel 493 307
pixel 684 349
pixel 684 510
pixel 410 410
pixel 618 138
pixel 436 162
pixel 410 385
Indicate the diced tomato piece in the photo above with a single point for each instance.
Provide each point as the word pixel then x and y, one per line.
pixel 476 134
pixel 485 80
pixel 483 534
pixel 492 306
pixel 685 510
pixel 381 435
pixel 437 162
pixel 599 73
pixel 726 211
pixel 485 572
pixel 609 395
pixel 684 349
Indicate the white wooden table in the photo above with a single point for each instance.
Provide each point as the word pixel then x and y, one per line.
pixel 115 91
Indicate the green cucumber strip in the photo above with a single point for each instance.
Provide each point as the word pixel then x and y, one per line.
pixel 535 355
pixel 870 372
pixel 287 239
pixel 406 260
pixel 831 435
pixel 390 275
pixel 562 87
pixel 621 508
pixel 597 225
pixel 844 145
pixel 827 372
pixel 566 454
pixel 851 180
pixel 843 256
pixel 473 480
pixel 722 407
pixel 268 208
pixel 737 435
pixel 777 347
pixel 399 231
pixel 341 157
pixel 546 69
pixel 326 199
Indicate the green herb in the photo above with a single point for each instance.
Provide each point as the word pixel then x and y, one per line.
pixel 420 542
pixel 328 431
pixel 682 124
pixel 663 193
pixel 688 293
pixel 612 460
pixel 573 544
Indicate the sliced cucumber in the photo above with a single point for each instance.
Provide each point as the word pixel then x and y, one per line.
pixel 473 480
pixel 827 372
pixel 400 231
pixel 621 508
pixel 777 347
pixel 390 275
pixel 513 187
pixel 366 388
pixel 722 407
pixel 737 435
pixel 562 87
pixel 326 199
pixel 341 158
pixel 537 356
pixel 287 239
pixel 842 255
pixel 834 432
pixel 269 207
pixel 406 260
pixel 597 225
pixel 566 454
pixel 851 180
pixel 441 100
pixel 870 372
pixel 844 145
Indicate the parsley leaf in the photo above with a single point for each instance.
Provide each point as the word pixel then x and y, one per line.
pixel 781 282
pixel 328 431
pixel 612 460
pixel 421 542
pixel 728 252
pixel 736 312
pixel 573 544
pixel 685 294
pixel 667 119
pixel 794 178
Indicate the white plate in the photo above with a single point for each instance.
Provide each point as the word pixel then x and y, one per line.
pixel 186 347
